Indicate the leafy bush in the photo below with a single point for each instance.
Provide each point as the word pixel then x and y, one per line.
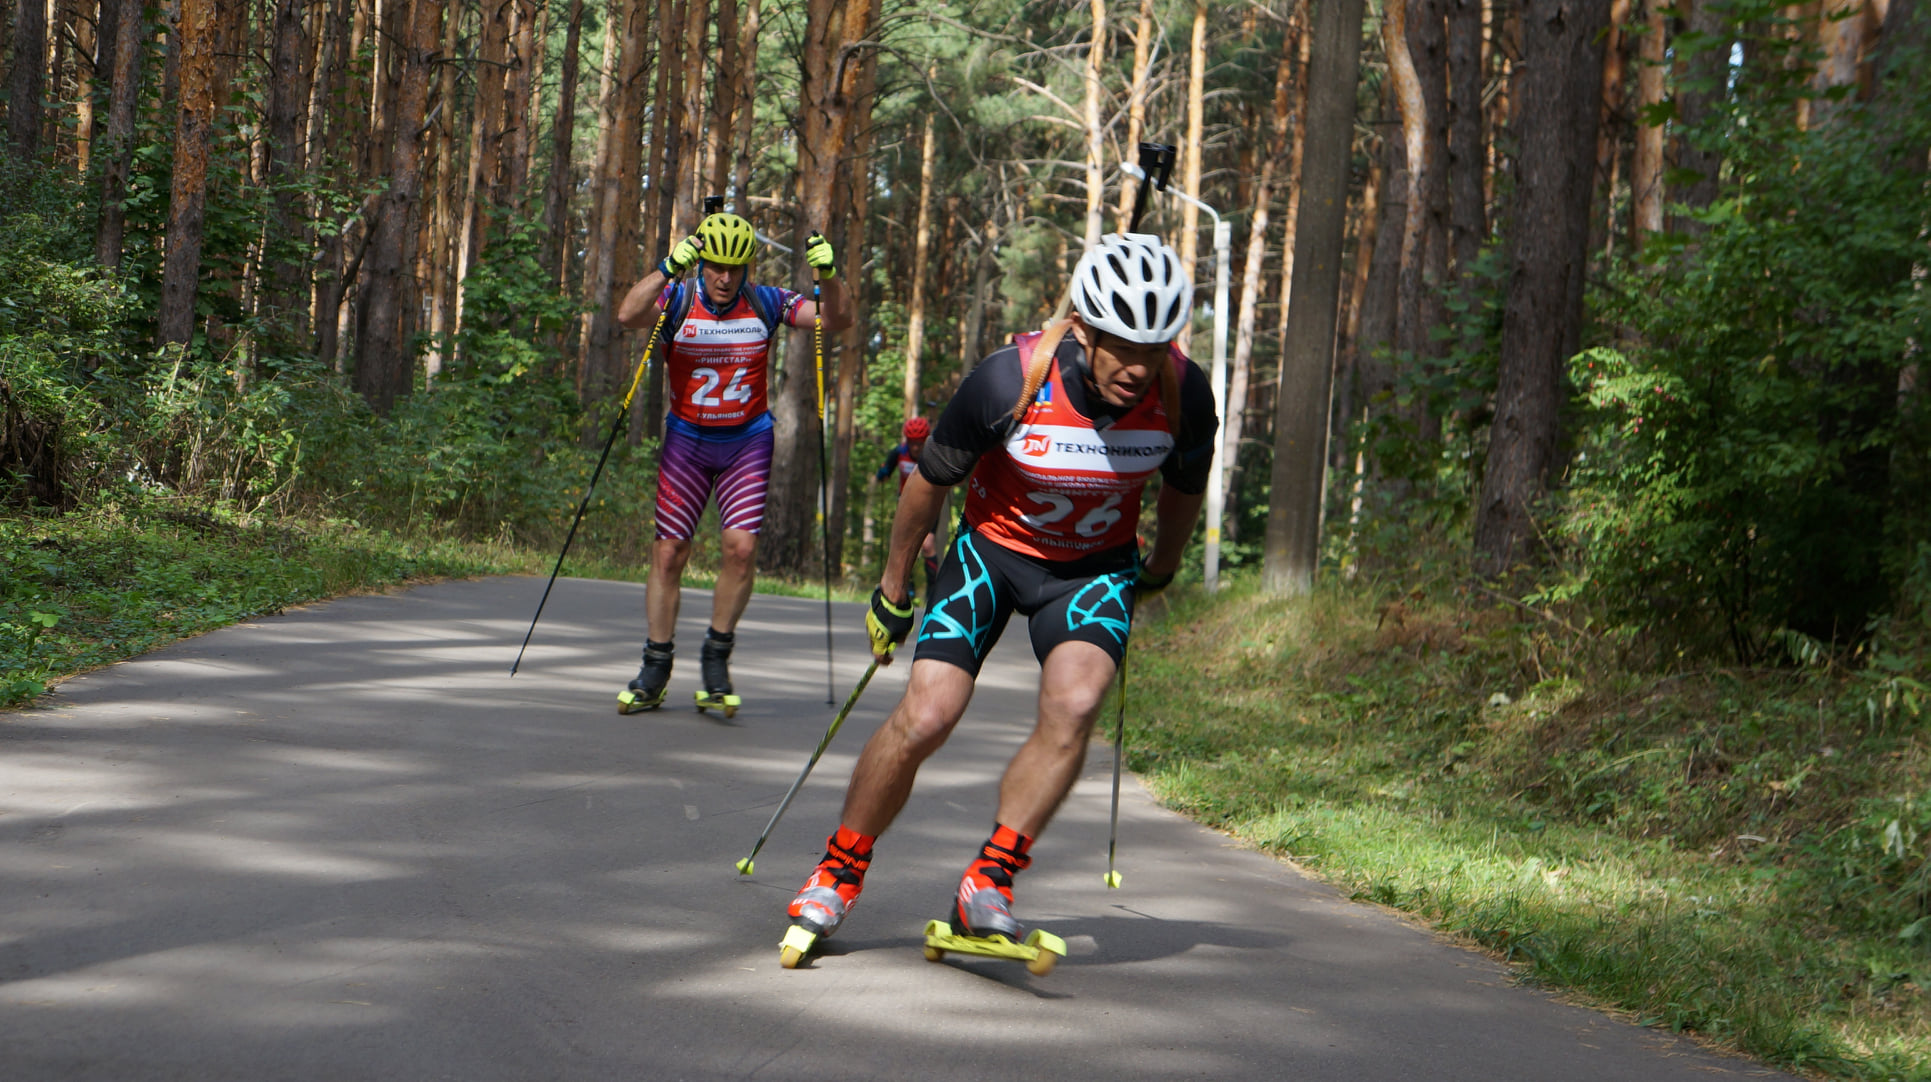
pixel 1751 464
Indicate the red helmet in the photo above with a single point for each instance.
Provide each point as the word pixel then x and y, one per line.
pixel 917 429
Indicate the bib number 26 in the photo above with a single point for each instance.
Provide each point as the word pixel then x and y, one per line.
pixel 1054 507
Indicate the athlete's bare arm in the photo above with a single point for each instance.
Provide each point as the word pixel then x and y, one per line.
pixel 639 307
pixel 1174 515
pixel 918 512
pixel 837 307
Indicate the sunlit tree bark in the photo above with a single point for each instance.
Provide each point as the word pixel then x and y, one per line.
pixel 921 251
pixel 200 30
pixel 1292 545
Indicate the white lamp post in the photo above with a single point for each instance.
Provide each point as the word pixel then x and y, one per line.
pixel 1223 241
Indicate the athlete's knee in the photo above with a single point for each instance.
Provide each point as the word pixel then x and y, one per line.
pixel 1074 703
pixel 924 722
pixel 740 549
pixel 671 554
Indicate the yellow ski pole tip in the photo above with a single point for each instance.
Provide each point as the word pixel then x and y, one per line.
pixel 745 867
pixel 1113 879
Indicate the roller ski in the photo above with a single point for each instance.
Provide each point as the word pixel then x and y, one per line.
pixel 1041 951
pixel 648 690
pixel 827 897
pixel 715 661
pixel 982 912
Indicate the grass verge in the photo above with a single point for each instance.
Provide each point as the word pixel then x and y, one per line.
pixel 1740 855
pixel 84 589
pixel 88 588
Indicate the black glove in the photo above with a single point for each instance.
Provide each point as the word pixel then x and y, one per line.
pixel 1146 583
pixel 888 624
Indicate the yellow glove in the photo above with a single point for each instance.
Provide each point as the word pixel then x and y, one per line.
pixel 818 253
pixel 887 624
pixel 683 257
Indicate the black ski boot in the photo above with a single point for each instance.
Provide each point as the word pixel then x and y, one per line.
pixel 716 663
pixel 647 691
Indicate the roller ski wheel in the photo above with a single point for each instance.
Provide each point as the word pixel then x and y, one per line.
pixel 716 662
pixel 796 946
pixel 725 704
pixel 653 681
pixel 1041 951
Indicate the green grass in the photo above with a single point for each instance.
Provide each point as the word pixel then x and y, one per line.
pixel 87 588
pixel 92 587
pixel 1741 855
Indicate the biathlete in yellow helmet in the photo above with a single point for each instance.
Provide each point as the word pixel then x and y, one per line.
pixel 717 439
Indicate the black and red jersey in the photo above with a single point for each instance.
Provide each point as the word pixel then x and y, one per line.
pixel 1065 481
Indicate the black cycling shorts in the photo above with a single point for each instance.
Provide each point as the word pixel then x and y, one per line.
pixel 982 583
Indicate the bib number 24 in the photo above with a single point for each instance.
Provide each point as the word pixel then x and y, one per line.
pixel 706 380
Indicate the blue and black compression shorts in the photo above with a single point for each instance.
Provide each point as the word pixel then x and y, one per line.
pixel 982 583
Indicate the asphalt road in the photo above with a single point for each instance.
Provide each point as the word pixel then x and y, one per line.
pixel 343 843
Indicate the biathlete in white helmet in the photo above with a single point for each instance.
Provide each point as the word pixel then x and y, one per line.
pixel 1056 437
pixel 903 461
pixel 717 439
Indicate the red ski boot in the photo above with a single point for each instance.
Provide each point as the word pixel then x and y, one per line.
pixel 983 906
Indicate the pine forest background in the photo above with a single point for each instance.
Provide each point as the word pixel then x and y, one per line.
pixel 1625 297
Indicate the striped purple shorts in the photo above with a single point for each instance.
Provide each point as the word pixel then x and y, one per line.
pixel 692 468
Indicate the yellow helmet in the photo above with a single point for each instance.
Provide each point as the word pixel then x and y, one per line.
pixel 728 239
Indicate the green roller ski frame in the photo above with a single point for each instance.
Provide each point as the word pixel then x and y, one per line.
pixel 632 702
pixel 1041 950
pixel 723 704
pixel 796 946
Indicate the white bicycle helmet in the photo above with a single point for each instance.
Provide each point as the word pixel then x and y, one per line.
pixel 1131 285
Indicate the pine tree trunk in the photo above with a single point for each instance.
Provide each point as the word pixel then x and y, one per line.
pixel 1250 278
pixel 1189 246
pixel 619 195
pixel 563 133
pixel 747 78
pixel 200 35
pixel 921 251
pixel 288 93
pixel 724 90
pixel 86 83
pixel 442 283
pixel 119 146
pixel 1646 163
pixel 384 362
pixel 690 173
pixel 1136 108
pixel 1416 61
pixel 1559 108
pixel 1467 209
pixel 829 73
pixel 1292 544
pixel 28 89
pixel 656 230
pixel 520 103
pixel 1095 134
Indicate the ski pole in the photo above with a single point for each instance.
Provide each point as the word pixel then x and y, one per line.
pixel 746 866
pixel 623 415
pixel 1119 749
pixel 824 485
